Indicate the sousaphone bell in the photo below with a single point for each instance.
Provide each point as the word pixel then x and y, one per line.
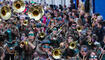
pixel 36 12
pixel 18 6
pixel 5 12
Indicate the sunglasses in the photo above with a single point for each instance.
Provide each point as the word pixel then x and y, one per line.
pixel 93 57
pixel 73 26
pixel 45 46
pixel 31 34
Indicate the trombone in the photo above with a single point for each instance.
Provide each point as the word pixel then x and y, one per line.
pixel 36 12
pixel 18 6
pixel 5 12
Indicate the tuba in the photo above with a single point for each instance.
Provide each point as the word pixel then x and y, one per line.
pixel 36 12
pixel 5 12
pixel 56 53
pixel 18 6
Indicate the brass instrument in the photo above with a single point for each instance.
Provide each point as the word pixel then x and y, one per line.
pixel 41 36
pixel 23 43
pixel 0 20
pixel 54 37
pixel 73 45
pixel 25 23
pixel 56 53
pixel 36 12
pixel 5 12
pixel 89 42
pixel 34 26
pixel 18 6
pixel 79 29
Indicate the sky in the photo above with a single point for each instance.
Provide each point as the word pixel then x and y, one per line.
pixel 100 7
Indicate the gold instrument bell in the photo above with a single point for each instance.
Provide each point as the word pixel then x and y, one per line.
pixel 36 12
pixel 42 35
pixel 25 23
pixel 34 26
pixel 54 37
pixel 56 53
pixel 5 12
pixel 73 45
pixel 79 29
pixel 18 6
pixel 90 42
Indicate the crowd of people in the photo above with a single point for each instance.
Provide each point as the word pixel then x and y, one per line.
pixel 62 33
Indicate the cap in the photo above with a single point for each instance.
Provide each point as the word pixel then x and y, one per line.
pixel 59 18
pixel 54 29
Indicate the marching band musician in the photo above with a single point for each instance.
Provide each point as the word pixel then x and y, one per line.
pixel 2 53
pixel 93 56
pixel 59 34
pixel 72 48
pixel 83 52
pixel 11 42
pixel 27 49
pixel 43 51
pixel 103 49
pixel 54 38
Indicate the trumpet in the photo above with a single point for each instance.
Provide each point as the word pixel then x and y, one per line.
pixel 41 36
pixel 25 23
pixel 56 53
pixel 23 43
pixel 73 45
pixel 5 12
pixel 34 26
pixel 36 12
pixel 79 29
pixel 89 42
pixel 18 6
pixel 54 37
